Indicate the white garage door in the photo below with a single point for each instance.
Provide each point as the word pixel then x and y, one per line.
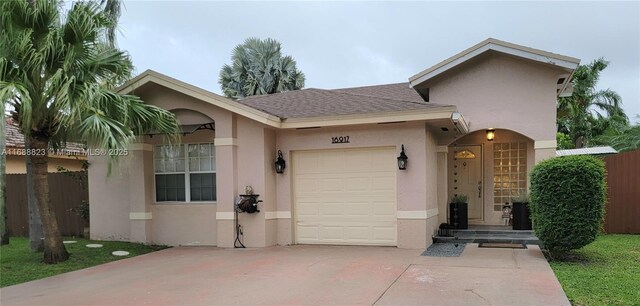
pixel 345 196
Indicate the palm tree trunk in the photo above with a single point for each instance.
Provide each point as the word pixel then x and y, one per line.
pixel 54 250
pixel 4 230
pixel 35 222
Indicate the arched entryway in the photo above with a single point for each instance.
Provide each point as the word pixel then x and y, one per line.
pixel 489 172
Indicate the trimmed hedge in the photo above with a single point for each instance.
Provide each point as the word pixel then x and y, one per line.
pixel 567 201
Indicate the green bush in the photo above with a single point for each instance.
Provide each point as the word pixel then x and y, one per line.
pixel 567 201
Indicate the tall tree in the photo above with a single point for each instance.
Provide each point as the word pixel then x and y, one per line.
pixel 58 75
pixel 577 114
pixel 4 230
pixel 259 68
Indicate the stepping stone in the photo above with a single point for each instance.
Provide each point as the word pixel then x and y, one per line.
pixel 94 245
pixel 69 241
pixel 120 253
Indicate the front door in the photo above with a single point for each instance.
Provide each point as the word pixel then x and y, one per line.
pixel 465 177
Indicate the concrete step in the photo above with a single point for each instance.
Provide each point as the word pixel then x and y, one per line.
pixel 487 238
pixel 493 232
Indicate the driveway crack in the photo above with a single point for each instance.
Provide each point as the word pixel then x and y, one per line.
pixel 480 296
pixel 394 281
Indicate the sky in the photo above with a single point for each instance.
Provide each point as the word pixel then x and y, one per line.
pixel 347 44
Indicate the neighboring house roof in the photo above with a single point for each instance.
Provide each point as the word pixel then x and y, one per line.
pixel 313 102
pixel 491 44
pixel 587 151
pixel 315 107
pixel 15 139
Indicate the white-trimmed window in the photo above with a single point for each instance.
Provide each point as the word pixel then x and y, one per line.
pixel 185 173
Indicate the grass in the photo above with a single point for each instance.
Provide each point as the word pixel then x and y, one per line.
pixel 605 272
pixel 19 265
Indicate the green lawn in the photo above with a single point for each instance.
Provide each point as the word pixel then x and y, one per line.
pixel 606 272
pixel 19 265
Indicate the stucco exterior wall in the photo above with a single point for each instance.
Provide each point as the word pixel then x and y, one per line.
pixel 503 92
pixel 181 224
pixel 109 199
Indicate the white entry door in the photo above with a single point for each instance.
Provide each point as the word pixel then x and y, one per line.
pixel 465 177
pixel 345 196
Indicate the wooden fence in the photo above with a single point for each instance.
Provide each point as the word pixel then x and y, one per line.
pixel 623 180
pixel 66 193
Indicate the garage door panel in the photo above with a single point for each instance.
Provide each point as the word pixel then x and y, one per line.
pixel 384 209
pixel 355 161
pixel 305 185
pixel 308 232
pixel 357 209
pixel 329 209
pixel 331 184
pixel 345 196
pixel 308 208
pixel 362 184
pixel 383 184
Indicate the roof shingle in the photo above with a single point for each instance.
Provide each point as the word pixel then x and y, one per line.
pixel 313 102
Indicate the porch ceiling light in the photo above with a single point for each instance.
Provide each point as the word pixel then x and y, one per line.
pixel 280 163
pixel 491 134
pixel 402 160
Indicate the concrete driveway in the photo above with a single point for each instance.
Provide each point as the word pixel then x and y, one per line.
pixel 321 275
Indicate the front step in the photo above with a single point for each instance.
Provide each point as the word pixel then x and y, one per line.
pixel 489 235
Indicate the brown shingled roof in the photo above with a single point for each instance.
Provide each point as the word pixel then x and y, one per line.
pixel 397 91
pixel 15 139
pixel 314 102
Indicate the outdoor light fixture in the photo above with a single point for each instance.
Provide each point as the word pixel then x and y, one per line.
pixel 402 160
pixel 280 163
pixel 491 134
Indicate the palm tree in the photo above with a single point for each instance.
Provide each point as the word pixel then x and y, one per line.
pixel 577 114
pixel 258 68
pixel 4 230
pixel 57 75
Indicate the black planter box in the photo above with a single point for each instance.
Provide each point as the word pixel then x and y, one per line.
pixel 458 215
pixel 521 216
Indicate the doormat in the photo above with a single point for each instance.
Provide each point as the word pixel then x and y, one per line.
pixel 444 250
pixel 499 245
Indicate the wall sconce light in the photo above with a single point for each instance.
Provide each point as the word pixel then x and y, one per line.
pixel 402 160
pixel 491 134
pixel 280 163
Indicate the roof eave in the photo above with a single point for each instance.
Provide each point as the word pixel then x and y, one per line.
pixel 562 61
pixel 150 76
pixel 444 112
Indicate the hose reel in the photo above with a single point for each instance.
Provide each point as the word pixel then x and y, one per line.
pixel 245 203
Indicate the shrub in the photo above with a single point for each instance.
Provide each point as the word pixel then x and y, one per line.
pixel 458 199
pixel 567 201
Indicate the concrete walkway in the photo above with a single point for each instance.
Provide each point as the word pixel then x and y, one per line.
pixel 320 275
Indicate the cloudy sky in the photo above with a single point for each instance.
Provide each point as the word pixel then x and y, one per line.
pixel 344 44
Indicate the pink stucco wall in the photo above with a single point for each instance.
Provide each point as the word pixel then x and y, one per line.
pixel 500 91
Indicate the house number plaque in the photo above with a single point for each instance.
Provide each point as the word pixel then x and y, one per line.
pixel 340 139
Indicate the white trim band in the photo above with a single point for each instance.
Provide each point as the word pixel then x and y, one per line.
pixel 138 146
pixel 545 144
pixel 225 142
pixel 269 215
pixel 140 216
pixel 417 214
